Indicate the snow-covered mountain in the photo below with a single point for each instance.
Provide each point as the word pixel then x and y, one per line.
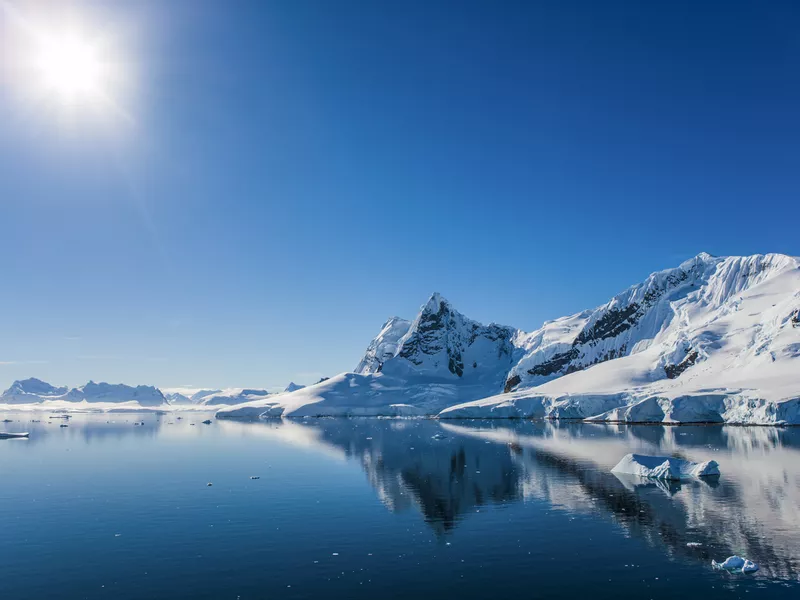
pixel 293 387
pixel 441 342
pixel 145 395
pixel 177 398
pixel 441 358
pixel 31 390
pixel 231 396
pixel 714 339
pixel 655 312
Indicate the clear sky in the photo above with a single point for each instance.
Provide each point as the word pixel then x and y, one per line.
pixel 269 181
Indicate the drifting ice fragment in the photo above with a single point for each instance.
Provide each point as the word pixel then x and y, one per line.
pixel 736 563
pixel 665 467
pixel 4 435
pixel 207 422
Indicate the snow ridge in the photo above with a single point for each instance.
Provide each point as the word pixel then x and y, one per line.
pixel 383 347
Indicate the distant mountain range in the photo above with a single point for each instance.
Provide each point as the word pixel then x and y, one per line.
pixel 36 391
pixel 31 391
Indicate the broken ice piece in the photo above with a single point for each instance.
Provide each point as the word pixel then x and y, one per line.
pixel 736 563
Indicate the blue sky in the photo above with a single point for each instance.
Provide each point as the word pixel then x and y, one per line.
pixel 287 175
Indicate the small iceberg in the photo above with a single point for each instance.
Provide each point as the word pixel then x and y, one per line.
pixel 665 467
pixel 4 435
pixel 736 563
pixel 207 422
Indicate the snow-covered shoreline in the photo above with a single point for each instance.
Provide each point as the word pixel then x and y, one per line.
pixel 713 340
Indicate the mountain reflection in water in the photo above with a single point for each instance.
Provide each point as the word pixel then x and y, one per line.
pixel 521 482
pixel 447 470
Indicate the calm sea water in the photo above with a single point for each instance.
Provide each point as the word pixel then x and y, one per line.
pixel 371 508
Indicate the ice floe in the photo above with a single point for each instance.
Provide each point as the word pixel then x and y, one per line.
pixel 664 467
pixel 736 563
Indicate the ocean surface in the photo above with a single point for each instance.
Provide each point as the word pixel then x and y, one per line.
pixel 119 506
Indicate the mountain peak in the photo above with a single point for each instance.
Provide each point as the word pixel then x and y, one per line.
pixel 434 303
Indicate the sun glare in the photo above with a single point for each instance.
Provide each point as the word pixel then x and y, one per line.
pixel 70 68
pixel 67 64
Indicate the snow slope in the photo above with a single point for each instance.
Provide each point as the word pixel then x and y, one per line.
pixel 383 347
pixel 232 396
pixel 716 339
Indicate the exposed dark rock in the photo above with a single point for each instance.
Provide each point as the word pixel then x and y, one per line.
pixel 439 328
pixel 511 383
pixel 673 371
pixel 555 364
pixel 455 366
pixel 425 340
pixel 611 324
pixel 796 318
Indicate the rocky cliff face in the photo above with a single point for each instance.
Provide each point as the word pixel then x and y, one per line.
pixel 441 343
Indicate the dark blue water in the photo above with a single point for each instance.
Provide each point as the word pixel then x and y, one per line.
pixel 371 508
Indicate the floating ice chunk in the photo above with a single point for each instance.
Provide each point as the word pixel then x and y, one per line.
pixel 255 477
pixel 665 467
pixel 732 563
pixel 4 435
pixel 736 563
pixel 207 422
pixel 693 544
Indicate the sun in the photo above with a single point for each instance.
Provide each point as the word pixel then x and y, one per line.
pixel 70 68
